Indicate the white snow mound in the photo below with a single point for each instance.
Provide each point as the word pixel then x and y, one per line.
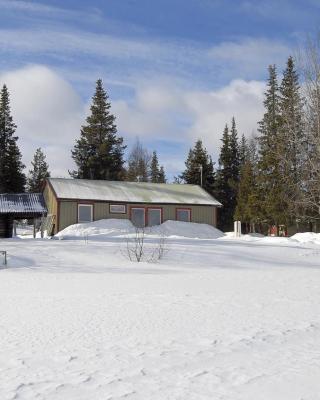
pixel 187 230
pixel 120 227
pixel 100 229
pixel 307 237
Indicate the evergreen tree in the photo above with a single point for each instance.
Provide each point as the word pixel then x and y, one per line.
pixel 271 174
pixel 292 137
pixel 154 168
pixel 243 149
pixel 248 205
pixel 12 178
pixel 138 163
pixel 162 175
pixel 228 176
pixel 38 173
pixel 198 159
pixel 234 153
pixel 157 174
pixel 98 153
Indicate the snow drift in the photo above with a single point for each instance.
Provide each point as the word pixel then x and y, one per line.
pixel 98 229
pixel 107 228
pixel 187 230
pixel 307 237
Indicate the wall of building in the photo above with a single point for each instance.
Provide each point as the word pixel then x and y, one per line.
pixel 68 212
pixel 51 203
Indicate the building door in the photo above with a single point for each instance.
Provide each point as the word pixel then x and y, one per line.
pixel 138 217
pixel 154 216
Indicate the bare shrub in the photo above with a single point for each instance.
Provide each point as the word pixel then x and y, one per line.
pixel 137 250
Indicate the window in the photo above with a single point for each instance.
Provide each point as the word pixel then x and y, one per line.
pixel 138 217
pixel 154 216
pixel 117 209
pixel 183 214
pixel 85 212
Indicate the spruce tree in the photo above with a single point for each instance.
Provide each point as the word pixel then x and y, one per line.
pixel 248 205
pixel 154 168
pixel 234 152
pixel 38 173
pixel 292 137
pixel 98 153
pixel 198 158
pixel 157 174
pixel 228 176
pixel 243 148
pixel 162 175
pixel 12 178
pixel 271 182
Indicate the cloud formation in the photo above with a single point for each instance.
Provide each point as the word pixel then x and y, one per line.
pixel 131 57
pixel 155 111
pixel 48 113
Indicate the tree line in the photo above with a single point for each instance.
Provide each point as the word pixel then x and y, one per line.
pixel 98 153
pixel 270 178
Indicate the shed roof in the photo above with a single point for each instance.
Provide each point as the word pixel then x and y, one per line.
pixel 131 192
pixel 22 203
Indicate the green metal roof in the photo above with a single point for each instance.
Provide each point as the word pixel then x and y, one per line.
pixel 131 192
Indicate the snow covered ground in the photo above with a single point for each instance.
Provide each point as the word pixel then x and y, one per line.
pixel 216 319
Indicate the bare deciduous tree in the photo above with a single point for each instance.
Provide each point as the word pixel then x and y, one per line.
pixel 138 163
pixel 310 182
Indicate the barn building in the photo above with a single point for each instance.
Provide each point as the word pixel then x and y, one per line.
pixel 72 201
pixel 19 206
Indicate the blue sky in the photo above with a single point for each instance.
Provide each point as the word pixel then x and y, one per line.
pixel 175 70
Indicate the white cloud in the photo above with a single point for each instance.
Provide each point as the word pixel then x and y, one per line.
pixel 246 57
pixel 19 5
pixel 74 42
pixel 212 110
pixel 171 114
pixel 36 8
pixel 48 113
pixel 250 56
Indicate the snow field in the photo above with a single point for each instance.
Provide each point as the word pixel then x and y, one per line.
pixel 215 319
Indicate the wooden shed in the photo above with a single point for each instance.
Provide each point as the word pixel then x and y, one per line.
pixel 19 206
pixel 73 201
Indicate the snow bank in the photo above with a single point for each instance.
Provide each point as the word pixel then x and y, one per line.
pixel 121 227
pixel 247 236
pixel 99 229
pixel 306 237
pixel 187 230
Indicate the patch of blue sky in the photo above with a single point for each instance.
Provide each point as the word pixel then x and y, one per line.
pixel 182 47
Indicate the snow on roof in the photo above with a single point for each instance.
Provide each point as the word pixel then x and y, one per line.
pixel 22 203
pixel 133 192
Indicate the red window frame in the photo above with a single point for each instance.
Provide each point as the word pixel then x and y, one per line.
pixel 146 213
pixel 153 208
